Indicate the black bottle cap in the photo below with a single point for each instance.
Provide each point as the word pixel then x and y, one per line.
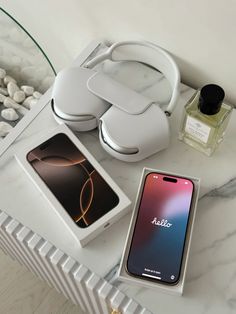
pixel 210 100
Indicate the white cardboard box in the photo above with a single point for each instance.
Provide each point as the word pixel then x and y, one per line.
pixel 123 275
pixel 82 235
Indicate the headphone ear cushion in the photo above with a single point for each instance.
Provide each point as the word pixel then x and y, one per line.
pixel 73 102
pixel 148 133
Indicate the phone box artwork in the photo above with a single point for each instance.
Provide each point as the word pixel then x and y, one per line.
pixel 78 189
pixel 158 242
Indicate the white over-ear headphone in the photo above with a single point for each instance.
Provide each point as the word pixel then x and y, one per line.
pixel 131 126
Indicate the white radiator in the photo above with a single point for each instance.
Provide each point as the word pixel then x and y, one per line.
pixel 79 284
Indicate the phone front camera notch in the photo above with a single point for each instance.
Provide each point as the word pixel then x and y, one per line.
pixel 169 179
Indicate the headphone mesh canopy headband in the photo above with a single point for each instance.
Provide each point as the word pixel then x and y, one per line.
pixel 148 54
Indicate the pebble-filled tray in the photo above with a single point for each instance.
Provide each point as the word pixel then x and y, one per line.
pixel 15 101
pixel 25 72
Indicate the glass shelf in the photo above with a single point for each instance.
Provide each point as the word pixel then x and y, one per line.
pixel 22 57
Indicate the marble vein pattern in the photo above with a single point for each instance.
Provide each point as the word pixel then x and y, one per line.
pixel 211 277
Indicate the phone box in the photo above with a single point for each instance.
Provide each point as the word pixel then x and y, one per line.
pixel 82 235
pixel 123 275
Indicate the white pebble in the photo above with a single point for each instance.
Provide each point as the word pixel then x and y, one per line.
pixel 12 88
pixel 2 97
pixel 9 114
pixel 19 96
pixel 33 81
pixel 37 95
pixel 26 102
pixel 2 73
pixel 33 102
pixel 3 91
pixel 22 110
pixel 28 90
pixel 5 128
pixel 10 103
pixel 8 79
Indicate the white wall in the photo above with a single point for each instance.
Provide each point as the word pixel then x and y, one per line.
pixel 200 34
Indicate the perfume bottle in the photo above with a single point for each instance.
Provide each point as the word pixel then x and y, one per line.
pixel 205 119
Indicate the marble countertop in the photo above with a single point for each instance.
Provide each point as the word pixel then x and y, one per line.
pixel 211 277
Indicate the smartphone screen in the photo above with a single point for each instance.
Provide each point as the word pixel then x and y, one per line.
pixel 157 246
pixel 80 189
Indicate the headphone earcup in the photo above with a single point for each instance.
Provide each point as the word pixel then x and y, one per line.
pixel 134 137
pixel 73 103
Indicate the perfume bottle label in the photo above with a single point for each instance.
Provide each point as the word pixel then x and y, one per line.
pixel 197 129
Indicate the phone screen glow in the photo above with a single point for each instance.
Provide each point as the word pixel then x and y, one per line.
pixel 158 241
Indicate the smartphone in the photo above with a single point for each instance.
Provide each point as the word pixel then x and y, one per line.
pixel 80 189
pixel 157 246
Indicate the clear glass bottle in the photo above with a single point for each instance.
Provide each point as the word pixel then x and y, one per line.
pixel 205 119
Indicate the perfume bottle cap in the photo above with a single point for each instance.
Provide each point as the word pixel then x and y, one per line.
pixel 210 100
